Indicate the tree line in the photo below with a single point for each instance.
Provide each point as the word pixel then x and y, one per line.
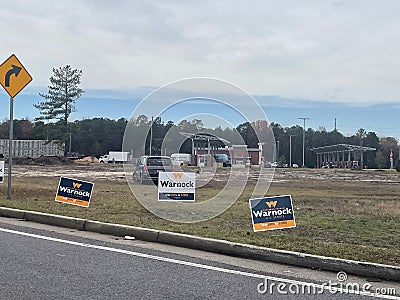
pixel 98 136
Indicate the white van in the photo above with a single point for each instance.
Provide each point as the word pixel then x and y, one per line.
pixel 179 159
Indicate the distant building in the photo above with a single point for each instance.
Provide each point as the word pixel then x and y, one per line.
pixel 32 148
pixel 241 155
pixel 205 144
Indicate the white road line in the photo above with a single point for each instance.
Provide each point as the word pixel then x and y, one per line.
pixel 201 266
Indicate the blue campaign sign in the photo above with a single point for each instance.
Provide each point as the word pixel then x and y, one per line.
pixel 74 191
pixel 272 213
pixel 1 171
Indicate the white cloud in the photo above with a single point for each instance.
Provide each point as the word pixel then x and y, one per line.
pixel 327 50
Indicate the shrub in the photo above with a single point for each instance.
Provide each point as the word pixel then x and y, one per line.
pixel 398 166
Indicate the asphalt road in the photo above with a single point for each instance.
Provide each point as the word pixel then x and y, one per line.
pixel 46 263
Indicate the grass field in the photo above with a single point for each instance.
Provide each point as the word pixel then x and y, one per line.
pixel 345 214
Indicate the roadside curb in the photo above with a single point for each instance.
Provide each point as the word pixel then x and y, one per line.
pixel 212 245
pixel 149 235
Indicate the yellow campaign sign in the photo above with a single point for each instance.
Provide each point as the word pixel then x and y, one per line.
pixel 13 76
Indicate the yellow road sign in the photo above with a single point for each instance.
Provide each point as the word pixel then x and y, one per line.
pixel 13 76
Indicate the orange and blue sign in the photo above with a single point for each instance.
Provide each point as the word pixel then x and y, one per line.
pixel 270 213
pixel 74 191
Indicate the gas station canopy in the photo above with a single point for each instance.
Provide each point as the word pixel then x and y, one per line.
pixel 204 137
pixel 341 147
pixel 341 156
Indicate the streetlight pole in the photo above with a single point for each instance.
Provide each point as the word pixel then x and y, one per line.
pixel 151 136
pixel 70 143
pixel 277 150
pixel 304 138
pixel 290 150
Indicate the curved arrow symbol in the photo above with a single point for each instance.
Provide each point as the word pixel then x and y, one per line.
pixel 14 70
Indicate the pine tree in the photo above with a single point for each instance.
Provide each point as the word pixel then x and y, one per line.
pixel 63 92
pixel 60 100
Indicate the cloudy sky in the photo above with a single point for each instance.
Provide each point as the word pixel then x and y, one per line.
pixel 336 51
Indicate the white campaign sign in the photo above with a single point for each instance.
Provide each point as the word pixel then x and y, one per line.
pixel 176 186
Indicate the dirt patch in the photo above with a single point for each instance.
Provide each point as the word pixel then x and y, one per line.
pixel 43 161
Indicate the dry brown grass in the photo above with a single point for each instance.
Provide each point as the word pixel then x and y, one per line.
pixel 352 215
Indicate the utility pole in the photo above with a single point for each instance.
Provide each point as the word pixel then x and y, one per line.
pixel 304 138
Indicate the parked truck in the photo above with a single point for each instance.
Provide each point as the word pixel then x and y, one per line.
pixel 115 157
pixel 179 159
pixel 222 158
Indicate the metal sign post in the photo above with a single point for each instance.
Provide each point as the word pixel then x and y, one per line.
pixel 13 78
pixel 10 147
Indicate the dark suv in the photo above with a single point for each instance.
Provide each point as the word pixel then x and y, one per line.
pixel 148 168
